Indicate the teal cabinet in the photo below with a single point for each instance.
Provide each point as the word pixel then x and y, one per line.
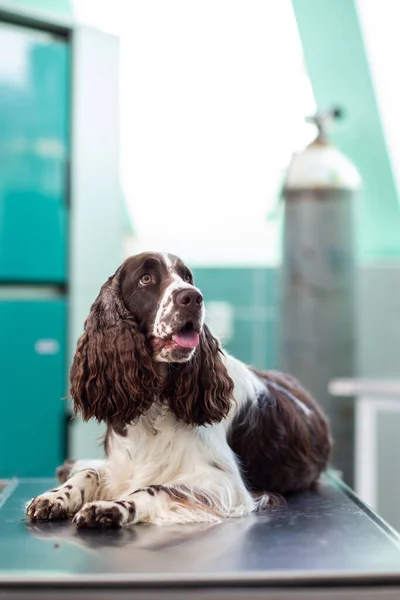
pixel 33 385
pixel 34 155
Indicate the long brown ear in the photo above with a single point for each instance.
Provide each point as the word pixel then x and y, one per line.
pixel 200 392
pixel 112 376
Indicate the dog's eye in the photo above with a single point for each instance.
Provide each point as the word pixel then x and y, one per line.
pixel 187 278
pixel 146 279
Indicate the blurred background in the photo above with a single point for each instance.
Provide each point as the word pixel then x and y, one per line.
pixel 180 126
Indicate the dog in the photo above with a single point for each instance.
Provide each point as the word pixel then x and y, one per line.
pixel 193 434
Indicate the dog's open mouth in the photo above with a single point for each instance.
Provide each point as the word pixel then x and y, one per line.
pixel 187 337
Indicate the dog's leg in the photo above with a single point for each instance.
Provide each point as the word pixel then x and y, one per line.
pixel 168 504
pixel 66 470
pixel 64 501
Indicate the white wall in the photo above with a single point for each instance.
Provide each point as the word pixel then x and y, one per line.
pixel 213 100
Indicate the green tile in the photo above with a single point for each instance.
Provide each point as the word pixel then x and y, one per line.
pixel 231 284
pixel 253 295
pixel 270 278
pixel 241 345
pixel 254 342
pixel 240 287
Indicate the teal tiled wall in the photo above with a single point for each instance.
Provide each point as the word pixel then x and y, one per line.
pixel 252 293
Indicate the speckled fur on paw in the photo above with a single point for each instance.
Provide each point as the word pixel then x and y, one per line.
pixel 60 503
pixel 99 515
pixel 47 508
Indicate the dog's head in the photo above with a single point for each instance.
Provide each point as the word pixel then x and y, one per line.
pixel 159 291
pixel 149 312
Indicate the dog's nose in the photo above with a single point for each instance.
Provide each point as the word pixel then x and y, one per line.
pixel 189 298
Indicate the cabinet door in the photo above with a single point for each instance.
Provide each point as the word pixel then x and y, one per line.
pixel 33 385
pixel 34 149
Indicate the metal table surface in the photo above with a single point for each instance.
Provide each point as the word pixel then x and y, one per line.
pixel 324 542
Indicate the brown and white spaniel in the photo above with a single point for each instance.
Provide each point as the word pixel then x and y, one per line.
pixel 193 434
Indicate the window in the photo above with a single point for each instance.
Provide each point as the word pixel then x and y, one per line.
pixel 213 100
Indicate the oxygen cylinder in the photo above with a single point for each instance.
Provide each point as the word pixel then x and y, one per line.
pixel 318 279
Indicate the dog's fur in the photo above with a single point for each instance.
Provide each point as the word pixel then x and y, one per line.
pixel 192 433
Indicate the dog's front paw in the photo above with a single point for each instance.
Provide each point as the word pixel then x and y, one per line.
pixel 55 505
pixel 47 507
pixel 112 514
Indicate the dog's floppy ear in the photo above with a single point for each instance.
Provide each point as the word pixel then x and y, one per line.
pixel 112 376
pixel 200 391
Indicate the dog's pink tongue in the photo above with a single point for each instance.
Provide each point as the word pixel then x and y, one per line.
pixel 187 339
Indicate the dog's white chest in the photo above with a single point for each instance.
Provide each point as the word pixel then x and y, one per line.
pixel 155 450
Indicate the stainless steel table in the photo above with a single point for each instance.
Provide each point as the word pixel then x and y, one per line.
pixel 323 544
